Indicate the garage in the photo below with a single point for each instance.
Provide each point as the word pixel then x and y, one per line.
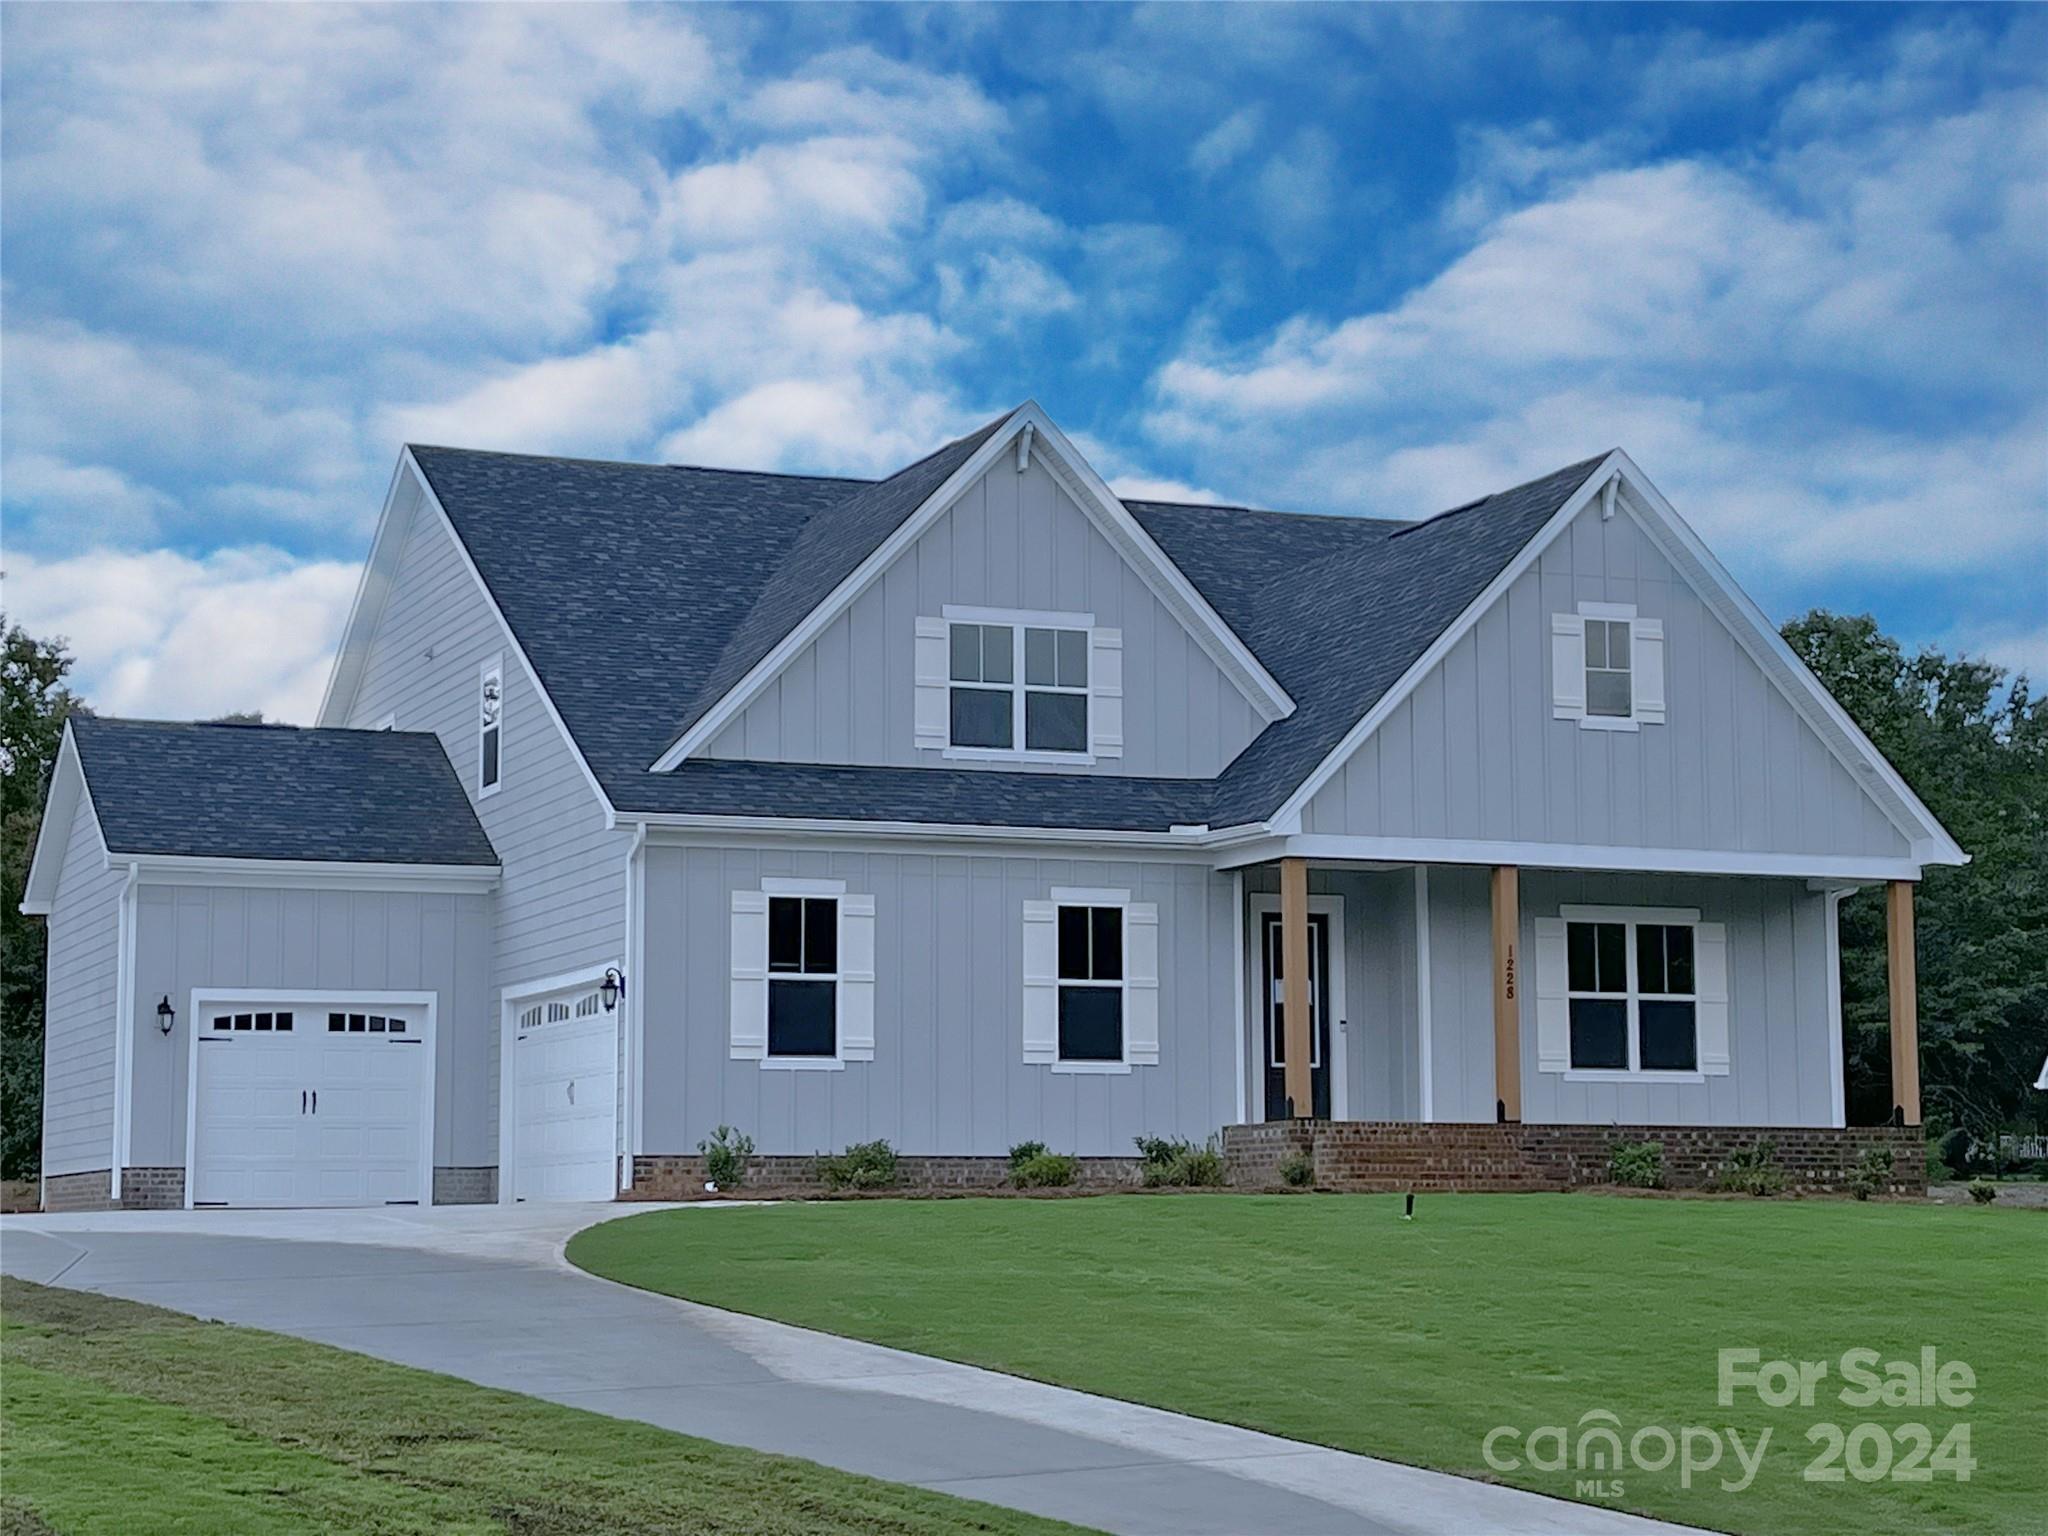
pixel 565 1083
pixel 311 1101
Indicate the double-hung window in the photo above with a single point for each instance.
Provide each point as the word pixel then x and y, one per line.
pixel 803 976
pixel 1091 983
pixel 490 689
pixel 1607 667
pixel 1633 996
pixel 1609 679
pixel 1018 687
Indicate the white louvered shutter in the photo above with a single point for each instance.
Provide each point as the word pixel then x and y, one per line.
pixel 1553 1008
pixel 933 669
pixel 1710 981
pixel 1106 692
pixel 1646 652
pixel 1567 666
pixel 1141 984
pixel 749 975
pixel 1041 981
pixel 857 978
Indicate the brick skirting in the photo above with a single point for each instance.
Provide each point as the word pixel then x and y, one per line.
pixel 1390 1156
pixel 682 1178
pixel 142 1189
pixel 466 1186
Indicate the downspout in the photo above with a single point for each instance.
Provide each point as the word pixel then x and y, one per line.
pixel 124 1033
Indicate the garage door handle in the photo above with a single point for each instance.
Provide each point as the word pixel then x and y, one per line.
pixel 302 1101
pixel 316 1101
pixel 572 1090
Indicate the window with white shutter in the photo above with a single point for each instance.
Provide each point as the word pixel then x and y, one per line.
pixel 1091 981
pixel 1009 685
pixel 803 974
pixel 1631 993
pixel 1607 667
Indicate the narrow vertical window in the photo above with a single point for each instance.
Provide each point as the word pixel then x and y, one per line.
pixel 803 976
pixel 1609 681
pixel 1091 983
pixel 490 726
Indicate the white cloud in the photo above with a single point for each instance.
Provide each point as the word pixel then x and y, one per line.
pixel 1226 143
pixel 164 636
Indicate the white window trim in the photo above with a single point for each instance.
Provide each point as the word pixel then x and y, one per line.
pixel 1613 613
pixel 833 891
pixel 493 666
pixel 1018 620
pixel 1097 896
pixel 1631 918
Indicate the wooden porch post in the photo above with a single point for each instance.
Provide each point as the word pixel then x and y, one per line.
pixel 1294 983
pixel 1905 1003
pixel 1507 1019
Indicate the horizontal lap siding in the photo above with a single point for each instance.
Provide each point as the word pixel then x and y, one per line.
pixel 317 941
pixel 1012 541
pixel 80 1003
pixel 1475 752
pixel 1781 1062
pixel 948 1076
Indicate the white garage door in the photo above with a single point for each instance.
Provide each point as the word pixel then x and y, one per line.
pixel 565 1073
pixel 300 1105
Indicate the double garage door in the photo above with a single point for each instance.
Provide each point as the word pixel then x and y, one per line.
pixel 310 1105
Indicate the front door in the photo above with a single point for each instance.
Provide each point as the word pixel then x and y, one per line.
pixel 1274 1012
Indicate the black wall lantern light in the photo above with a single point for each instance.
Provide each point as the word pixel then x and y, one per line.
pixel 612 988
pixel 166 1015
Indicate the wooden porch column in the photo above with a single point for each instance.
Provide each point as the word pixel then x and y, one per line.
pixel 1294 1003
pixel 1905 1003
pixel 1507 1018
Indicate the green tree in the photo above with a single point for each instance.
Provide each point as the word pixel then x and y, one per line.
pixel 34 704
pixel 1976 750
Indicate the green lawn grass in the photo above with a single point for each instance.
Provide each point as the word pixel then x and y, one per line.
pixel 121 1418
pixel 1328 1318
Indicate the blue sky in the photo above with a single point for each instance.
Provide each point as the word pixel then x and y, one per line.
pixel 1375 259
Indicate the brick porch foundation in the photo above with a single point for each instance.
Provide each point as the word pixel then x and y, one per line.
pixel 1389 1156
pixel 682 1178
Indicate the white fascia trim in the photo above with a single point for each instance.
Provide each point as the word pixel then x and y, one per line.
pixel 192 869
pixel 1289 814
pixel 53 836
pixel 883 836
pixel 1578 856
pixel 373 587
pixel 1931 842
pixel 1110 515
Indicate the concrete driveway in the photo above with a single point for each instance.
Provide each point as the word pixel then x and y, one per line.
pixel 483 1293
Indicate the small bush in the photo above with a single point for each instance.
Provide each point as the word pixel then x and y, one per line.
pixel 1024 1152
pixel 1954 1150
pixel 1752 1170
pixel 1299 1171
pixel 1937 1170
pixel 1873 1175
pixel 1045 1170
pixel 1983 1191
pixel 1179 1163
pixel 725 1157
pixel 864 1165
pixel 1636 1164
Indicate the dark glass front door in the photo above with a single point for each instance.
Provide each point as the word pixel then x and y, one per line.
pixel 1275 1015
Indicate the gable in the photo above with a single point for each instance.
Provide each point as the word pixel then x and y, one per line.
pixel 1475 749
pixel 1013 540
pixel 67 817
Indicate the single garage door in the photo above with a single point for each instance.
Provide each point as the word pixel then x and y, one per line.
pixel 300 1105
pixel 566 1076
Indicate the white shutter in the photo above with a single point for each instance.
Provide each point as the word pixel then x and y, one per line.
pixel 933 670
pixel 1041 981
pixel 1567 666
pixel 1710 981
pixel 856 978
pixel 1553 1008
pixel 1106 692
pixel 1646 653
pixel 1141 984
pixel 749 975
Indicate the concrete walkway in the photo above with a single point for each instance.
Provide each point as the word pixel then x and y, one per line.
pixel 483 1293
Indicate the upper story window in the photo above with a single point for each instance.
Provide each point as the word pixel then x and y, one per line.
pixel 1017 687
pixel 1607 667
pixel 490 726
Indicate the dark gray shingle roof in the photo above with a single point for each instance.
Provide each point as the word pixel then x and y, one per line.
pixel 277 792
pixel 642 592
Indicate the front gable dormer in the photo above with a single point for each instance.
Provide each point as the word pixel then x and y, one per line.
pixel 1004 624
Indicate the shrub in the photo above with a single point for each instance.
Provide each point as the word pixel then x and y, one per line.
pixel 1044 1170
pixel 1954 1149
pixel 1752 1170
pixel 1636 1164
pixel 1937 1170
pixel 864 1165
pixel 1873 1175
pixel 1983 1191
pixel 1023 1153
pixel 1179 1163
pixel 1299 1171
pixel 725 1157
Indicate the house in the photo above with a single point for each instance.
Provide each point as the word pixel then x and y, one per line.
pixel 966 807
